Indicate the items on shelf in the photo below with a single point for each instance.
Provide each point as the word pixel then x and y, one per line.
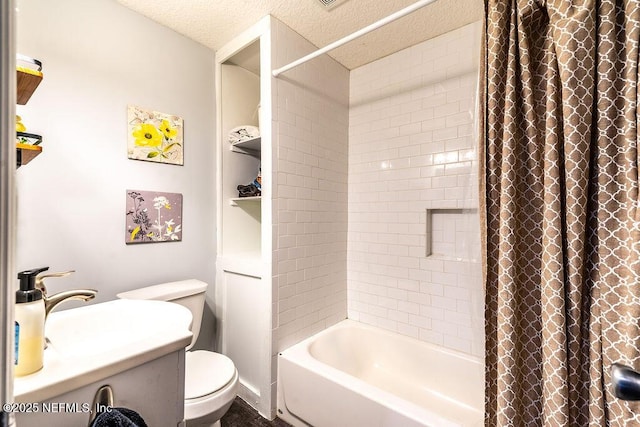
pixel 251 190
pixel 26 144
pixel 22 137
pixel 28 138
pixel 20 127
pixel 243 133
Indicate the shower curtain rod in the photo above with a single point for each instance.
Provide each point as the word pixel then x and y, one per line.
pixel 384 21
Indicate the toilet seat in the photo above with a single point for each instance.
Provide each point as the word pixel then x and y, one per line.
pixel 205 373
pixel 211 383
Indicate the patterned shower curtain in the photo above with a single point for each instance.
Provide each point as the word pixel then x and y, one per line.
pixel 560 210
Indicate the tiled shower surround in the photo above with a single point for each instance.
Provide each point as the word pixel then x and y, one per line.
pixel 413 237
pixel 310 173
pixel 311 115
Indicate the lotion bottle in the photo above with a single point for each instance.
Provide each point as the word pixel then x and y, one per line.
pixel 29 324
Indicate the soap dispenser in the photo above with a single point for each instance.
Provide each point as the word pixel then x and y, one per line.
pixel 29 324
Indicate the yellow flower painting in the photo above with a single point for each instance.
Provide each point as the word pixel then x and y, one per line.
pixel 154 136
pixel 147 135
pixel 168 130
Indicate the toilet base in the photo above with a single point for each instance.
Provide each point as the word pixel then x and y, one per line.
pixel 196 415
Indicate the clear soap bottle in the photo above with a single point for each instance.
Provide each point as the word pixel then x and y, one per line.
pixel 29 324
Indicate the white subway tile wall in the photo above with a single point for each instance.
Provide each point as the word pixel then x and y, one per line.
pixel 412 147
pixel 311 132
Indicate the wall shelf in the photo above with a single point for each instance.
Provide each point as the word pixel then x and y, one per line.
pixel 250 146
pixel 26 153
pixel 239 200
pixel 28 78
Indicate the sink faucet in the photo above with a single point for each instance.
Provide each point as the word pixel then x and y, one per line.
pixel 50 302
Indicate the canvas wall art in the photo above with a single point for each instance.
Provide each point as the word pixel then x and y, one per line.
pixel 153 217
pixel 154 136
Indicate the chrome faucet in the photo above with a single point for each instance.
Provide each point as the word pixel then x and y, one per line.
pixel 50 302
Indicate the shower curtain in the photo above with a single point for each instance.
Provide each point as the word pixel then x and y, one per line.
pixel 560 210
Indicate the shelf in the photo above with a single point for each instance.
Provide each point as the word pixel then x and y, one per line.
pixel 27 84
pixel 245 263
pixel 26 153
pixel 28 78
pixel 250 146
pixel 236 200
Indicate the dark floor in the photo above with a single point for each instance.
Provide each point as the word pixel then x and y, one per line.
pixel 242 415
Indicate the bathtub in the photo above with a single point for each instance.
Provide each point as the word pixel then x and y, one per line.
pixel 355 375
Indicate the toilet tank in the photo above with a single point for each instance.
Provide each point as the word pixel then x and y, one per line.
pixel 189 293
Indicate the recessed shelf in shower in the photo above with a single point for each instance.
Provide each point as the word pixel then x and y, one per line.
pixel 448 231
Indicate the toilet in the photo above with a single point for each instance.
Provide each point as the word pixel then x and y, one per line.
pixel 211 379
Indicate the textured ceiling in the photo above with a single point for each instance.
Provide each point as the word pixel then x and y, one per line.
pixel 215 22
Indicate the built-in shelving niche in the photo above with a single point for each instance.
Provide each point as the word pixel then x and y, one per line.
pixel 448 230
pixel 243 278
pixel 241 161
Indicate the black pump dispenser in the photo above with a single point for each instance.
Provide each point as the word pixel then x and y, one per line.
pixel 28 291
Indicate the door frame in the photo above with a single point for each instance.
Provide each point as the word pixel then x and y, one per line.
pixel 7 200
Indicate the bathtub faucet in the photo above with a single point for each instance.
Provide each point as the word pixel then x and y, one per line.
pixel 50 302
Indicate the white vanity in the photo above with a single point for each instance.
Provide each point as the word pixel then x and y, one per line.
pixel 135 347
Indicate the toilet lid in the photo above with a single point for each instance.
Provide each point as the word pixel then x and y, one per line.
pixel 206 372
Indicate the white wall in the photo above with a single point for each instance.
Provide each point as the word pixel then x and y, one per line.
pixel 310 117
pixel 411 148
pixel 98 57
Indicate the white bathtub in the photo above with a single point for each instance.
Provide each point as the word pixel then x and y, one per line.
pixel 354 375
